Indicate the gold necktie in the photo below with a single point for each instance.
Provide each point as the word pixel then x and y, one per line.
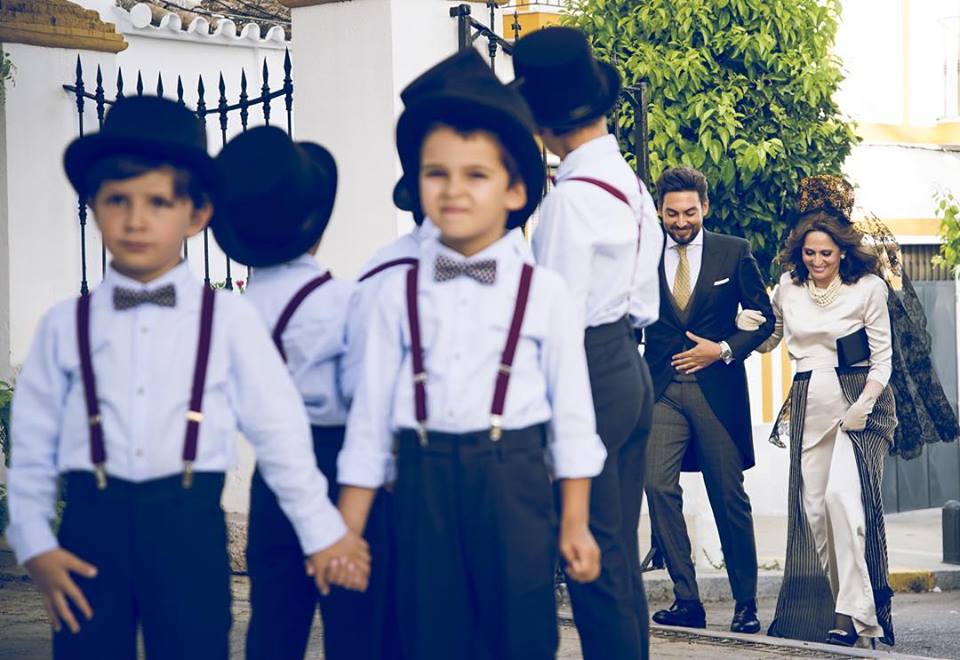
pixel 681 281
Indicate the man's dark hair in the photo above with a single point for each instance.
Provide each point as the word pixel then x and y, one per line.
pixel 122 167
pixel 682 179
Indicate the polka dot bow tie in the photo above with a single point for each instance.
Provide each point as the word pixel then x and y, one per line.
pixel 447 269
pixel 165 296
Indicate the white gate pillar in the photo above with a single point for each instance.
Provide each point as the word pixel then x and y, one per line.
pixel 351 59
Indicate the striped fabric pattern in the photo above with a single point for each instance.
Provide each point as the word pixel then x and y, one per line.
pixel 805 607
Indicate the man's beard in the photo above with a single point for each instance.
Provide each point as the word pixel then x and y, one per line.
pixel 686 240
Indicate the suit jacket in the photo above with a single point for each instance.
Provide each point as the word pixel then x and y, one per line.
pixel 729 279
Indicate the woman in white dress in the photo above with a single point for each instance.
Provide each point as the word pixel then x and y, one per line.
pixel 841 421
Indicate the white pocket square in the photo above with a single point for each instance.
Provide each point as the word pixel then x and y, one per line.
pixel 723 281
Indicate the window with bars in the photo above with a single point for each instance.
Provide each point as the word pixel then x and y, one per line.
pixel 918 263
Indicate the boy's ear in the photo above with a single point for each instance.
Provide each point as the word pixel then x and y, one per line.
pixel 199 218
pixel 516 197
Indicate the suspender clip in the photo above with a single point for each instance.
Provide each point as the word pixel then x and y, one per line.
pixel 194 416
pixel 505 369
pixel 420 377
pixel 422 434
pixel 187 480
pixel 100 472
pixel 94 420
pixel 496 427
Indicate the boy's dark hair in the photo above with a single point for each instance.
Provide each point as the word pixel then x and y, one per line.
pixel 682 179
pixel 468 129
pixel 122 167
pixel 567 130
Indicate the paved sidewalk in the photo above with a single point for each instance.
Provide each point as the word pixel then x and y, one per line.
pixel 914 545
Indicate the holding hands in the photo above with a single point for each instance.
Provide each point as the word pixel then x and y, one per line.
pixel 345 563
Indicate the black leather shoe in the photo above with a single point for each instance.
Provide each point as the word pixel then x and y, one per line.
pixel 687 613
pixel 745 618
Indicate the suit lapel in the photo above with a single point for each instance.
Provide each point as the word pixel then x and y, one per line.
pixel 708 268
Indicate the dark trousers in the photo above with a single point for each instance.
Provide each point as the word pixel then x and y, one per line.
pixel 477 547
pixel 682 416
pixel 611 613
pixel 161 557
pixel 283 598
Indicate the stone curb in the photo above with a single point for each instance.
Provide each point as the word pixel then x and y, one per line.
pixel 759 642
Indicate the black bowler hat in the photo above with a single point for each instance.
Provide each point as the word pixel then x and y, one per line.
pixel 277 199
pixel 561 80
pixel 150 127
pixel 463 91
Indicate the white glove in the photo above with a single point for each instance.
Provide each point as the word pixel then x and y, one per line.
pixel 750 320
pixel 855 419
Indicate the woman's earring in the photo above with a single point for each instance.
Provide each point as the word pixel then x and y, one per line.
pixel 843 256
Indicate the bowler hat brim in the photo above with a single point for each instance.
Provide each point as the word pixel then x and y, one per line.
pixel 466 109
pixel 259 255
pixel 83 152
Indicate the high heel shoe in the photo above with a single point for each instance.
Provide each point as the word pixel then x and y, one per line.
pixel 839 637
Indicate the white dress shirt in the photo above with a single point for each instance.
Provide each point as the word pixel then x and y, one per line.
pixel 464 326
pixel 143 360
pixel 590 237
pixel 364 296
pixel 671 259
pixel 315 338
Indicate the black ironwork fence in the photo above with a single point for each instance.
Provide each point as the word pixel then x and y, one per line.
pixel 633 98
pixel 220 108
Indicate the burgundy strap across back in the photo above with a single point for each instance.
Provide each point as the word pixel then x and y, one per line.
pixel 613 191
pixel 402 261
pixel 292 306
pixel 98 453
pixel 506 360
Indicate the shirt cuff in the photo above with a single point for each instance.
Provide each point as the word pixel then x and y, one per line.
pixel 579 457
pixel 364 470
pixel 31 539
pixel 321 530
pixel 725 348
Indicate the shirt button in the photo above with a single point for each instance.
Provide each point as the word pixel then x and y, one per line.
pixel 450 413
pixel 144 329
pixel 139 452
pixel 139 390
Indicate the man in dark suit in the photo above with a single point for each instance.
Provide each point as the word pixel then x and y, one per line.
pixel 701 420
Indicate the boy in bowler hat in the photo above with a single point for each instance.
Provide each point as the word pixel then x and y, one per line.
pixel 598 228
pixel 278 198
pixel 132 397
pixel 471 372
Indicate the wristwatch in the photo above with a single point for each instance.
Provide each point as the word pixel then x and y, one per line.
pixel 725 353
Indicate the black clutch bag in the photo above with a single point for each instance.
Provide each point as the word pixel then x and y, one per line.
pixel 853 348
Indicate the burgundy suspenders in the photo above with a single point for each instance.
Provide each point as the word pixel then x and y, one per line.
pixel 416 356
pixel 613 191
pixel 602 184
pixel 506 359
pixel 98 452
pixel 292 306
pixel 402 261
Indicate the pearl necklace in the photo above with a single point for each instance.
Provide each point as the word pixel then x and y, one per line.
pixel 823 297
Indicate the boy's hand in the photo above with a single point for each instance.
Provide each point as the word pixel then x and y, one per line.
pixel 50 571
pixel 346 562
pixel 580 551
